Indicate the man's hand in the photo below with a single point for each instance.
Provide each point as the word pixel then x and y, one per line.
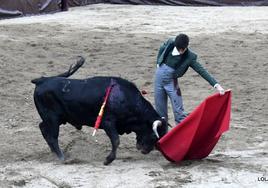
pixel 219 89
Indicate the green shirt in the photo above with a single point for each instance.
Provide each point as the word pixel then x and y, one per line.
pixel 171 60
pixel 190 60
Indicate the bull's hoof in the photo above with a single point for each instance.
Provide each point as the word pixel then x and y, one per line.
pixel 62 158
pixel 108 160
pixel 60 155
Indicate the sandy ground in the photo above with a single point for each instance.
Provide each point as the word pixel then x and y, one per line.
pixel 232 44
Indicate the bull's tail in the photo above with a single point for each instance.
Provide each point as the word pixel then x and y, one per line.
pixel 72 70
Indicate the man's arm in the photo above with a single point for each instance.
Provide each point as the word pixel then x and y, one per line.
pixel 162 49
pixel 204 73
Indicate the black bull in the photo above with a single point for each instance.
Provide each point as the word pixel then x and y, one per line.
pixel 77 101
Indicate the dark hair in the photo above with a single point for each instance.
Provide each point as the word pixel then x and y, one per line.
pixel 181 41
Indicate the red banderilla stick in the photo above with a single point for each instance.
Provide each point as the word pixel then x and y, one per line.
pixel 100 115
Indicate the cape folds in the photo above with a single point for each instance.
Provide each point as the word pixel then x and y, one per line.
pixel 198 133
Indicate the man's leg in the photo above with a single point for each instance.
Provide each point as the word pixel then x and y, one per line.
pixel 174 94
pixel 160 96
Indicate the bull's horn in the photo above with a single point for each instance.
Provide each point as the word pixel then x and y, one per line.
pixel 156 124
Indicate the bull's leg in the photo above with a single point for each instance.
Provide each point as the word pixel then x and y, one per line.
pixel 50 133
pixel 114 137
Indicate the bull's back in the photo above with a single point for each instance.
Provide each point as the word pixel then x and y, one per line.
pixel 78 101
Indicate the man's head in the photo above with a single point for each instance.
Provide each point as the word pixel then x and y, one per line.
pixel 181 43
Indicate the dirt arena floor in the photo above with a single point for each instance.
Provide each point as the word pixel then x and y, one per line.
pixel 232 43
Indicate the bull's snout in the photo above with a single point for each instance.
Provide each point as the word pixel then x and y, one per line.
pixel 138 146
pixel 145 151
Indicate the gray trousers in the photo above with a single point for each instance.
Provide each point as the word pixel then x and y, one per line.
pixel 166 85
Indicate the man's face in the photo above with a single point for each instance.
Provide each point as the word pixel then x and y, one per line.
pixel 182 50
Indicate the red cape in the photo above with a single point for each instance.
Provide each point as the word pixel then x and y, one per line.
pixel 198 133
